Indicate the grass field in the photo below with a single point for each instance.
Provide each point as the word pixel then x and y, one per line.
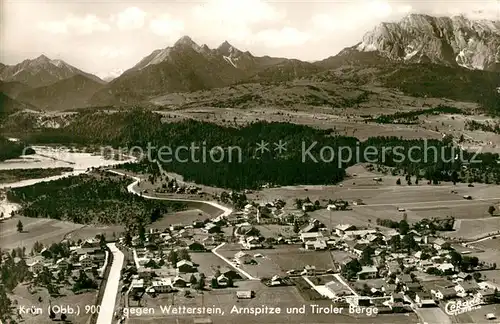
pixel 48 231
pixel 43 230
pixel 208 263
pixel 182 217
pixel 280 259
pixel 24 298
pixel 479 315
pixel 476 228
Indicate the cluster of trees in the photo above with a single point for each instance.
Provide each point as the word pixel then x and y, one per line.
pixel 402 225
pixel 11 150
pixel 407 243
pixel 466 263
pixel 300 202
pixel 89 198
pixel 5 306
pixel 435 224
pixel 84 282
pixel 198 284
pixel 23 174
pixel 387 223
pixel 485 127
pixel 351 269
pixel 430 226
pixel 11 272
pixel 411 117
pixel 238 200
pixel 143 166
pixel 178 255
pixel 250 169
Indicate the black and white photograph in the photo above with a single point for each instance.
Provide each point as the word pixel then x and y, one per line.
pixel 249 161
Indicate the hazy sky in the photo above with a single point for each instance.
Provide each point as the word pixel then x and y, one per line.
pixel 100 36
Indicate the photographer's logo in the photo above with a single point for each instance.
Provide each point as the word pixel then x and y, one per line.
pixel 463 306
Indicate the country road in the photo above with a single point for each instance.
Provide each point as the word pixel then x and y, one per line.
pixel 130 188
pixel 233 265
pixel 107 308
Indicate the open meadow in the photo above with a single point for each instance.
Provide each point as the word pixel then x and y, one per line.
pixel 40 301
pixel 280 259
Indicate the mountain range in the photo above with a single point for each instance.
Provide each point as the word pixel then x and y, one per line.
pixel 46 84
pixel 455 41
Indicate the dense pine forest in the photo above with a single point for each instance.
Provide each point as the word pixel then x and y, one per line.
pixel 13 175
pixel 307 159
pixel 411 117
pixel 96 198
pixel 12 150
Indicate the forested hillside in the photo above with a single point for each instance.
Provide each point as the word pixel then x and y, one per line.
pixel 89 199
pixel 248 167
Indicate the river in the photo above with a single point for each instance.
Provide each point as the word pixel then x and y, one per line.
pixel 49 157
pixel 46 158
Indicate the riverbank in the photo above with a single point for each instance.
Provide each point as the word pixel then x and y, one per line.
pixel 63 159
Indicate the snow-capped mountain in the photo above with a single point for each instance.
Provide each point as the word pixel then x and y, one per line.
pixel 41 71
pixel 110 75
pixel 473 44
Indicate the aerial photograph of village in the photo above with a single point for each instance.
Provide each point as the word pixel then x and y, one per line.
pixel 249 161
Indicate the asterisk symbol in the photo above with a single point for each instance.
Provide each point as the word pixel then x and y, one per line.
pixel 280 146
pixel 262 147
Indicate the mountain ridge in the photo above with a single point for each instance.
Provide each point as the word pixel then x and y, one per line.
pixel 453 41
pixel 73 92
pixel 186 66
pixel 41 71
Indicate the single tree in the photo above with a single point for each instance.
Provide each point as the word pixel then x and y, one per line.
pixel 173 257
pixel 491 210
pixel 52 315
pixel 193 280
pixel 20 226
pixel 404 227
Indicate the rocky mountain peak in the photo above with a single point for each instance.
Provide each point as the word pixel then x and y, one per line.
pixel 473 44
pixel 185 41
pixel 227 49
pixel 42 58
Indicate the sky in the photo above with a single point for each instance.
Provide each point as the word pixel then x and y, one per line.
pixel 106 36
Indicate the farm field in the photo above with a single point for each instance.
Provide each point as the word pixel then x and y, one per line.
pixel 280 259
pixel 43 230
pixel 489 244
pixel 476 228
pixel 273 230
pixel 208 263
